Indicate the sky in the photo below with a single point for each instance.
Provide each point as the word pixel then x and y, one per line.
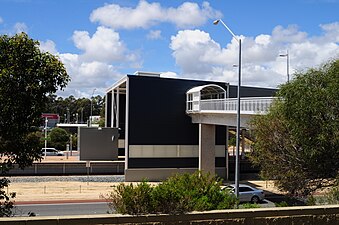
pixel 99 41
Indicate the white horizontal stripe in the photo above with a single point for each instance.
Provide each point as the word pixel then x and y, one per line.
pixel 170 151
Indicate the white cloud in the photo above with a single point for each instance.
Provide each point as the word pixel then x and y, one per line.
pixel 98 64
pixel 104 46
pixel 145 15
pixel 169 74
pixel 1 20
pixel 291 34
pixel 20 27
pixel 331 31
pixel 200 57
pixel 193 51
pixel 154 34
pixel 48 46
pixel 86 75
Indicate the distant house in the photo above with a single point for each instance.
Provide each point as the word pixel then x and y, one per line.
pixel 156 135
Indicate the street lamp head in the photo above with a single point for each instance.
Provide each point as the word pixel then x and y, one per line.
pixel 215 22
pixel 283 55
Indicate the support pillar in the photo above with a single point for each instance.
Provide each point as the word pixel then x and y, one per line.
pixel 207 148
pixel 243 143
pixel 226 154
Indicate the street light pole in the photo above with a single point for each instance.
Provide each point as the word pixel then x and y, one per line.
pixel 287 64
pixel 46 123
pixel 237 165
pixel 90 118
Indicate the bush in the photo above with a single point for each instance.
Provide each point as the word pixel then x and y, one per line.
pixel 281 204
pixel 311 200
pixel 176 195
pixel 333 195
pixel 249 206
pixel 191 192
pixel 129 199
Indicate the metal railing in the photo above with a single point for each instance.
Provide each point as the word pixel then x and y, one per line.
pixel 255 105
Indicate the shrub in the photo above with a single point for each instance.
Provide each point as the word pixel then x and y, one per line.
pixel 333 195
pixel 191 192
pixel 130 199
pixel 176 195
pixel 249 206
pixel 311 200
pixel 281 204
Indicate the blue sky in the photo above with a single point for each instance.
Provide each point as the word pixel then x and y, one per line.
pixel 100 41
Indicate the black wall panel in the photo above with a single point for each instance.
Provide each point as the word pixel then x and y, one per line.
pixel 251 91
pixel 157 111
pixel 122 115
pixel 193 162
pixel 109 109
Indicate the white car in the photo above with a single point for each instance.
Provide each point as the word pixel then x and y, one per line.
pixel 248 193
pixel 51 152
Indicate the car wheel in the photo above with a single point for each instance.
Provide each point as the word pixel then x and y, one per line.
pixel 255 199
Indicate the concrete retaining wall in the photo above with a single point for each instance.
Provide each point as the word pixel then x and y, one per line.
pixel 318 215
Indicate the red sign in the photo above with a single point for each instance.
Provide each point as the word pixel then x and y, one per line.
pixel 50 116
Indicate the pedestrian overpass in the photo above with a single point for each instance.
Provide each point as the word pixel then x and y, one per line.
pixel 209 105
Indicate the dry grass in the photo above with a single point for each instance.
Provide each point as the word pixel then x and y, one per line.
pixel 45 191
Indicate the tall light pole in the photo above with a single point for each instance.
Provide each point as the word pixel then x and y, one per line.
pixel 90 118
pixel 46 123
pixel 287 64
pixel 237 168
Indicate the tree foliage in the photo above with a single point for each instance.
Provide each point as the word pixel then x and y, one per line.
pixel 78 109
pixel 297 142
pixel 59 138
pixel 27 77
pixel 6 203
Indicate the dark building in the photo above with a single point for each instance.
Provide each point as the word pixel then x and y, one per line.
pixel 156 135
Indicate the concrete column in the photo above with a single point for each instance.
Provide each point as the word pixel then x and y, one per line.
pixel 243 143
pixel 207 148
pixel 226 154
pixel 118 108
pixel 113 109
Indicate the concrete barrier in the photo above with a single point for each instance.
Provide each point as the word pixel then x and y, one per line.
pixel 318 215
pixel 71 168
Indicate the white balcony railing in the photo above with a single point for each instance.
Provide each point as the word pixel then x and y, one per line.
pixel 255 105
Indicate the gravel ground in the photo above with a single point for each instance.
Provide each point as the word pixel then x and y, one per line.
pixel 96 178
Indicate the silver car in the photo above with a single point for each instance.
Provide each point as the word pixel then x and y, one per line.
pixel 248 193
pixel 51 152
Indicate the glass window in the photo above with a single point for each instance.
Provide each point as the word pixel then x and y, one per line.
pixel 244 189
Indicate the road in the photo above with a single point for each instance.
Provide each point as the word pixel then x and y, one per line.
pixel 88 208
pixel 62 209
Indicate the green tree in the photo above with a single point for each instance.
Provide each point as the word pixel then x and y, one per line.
pixel 59 138
pixel 27 77
pixel 297 142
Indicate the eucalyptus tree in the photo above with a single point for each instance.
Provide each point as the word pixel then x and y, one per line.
pixel 297 142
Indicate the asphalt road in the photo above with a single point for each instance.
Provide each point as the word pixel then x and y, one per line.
pixel 62 209
pixel 88 208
